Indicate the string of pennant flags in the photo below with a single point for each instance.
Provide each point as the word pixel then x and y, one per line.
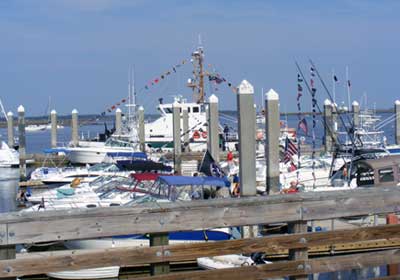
pixel 149 84
pixel 215 78
pixel 314 121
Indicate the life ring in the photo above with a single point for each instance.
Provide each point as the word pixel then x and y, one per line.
pixel 204 134
pixel 196 134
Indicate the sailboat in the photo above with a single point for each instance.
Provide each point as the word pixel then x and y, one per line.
pixel 42 127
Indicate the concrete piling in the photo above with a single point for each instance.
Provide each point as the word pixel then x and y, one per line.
pixel 141 129
pixel 397 123
pixel 22 142
pixel 328 125
pixel 74 127
pixel 272 131
pixel 10 129
pixel 185 126
pixel 213 133
pixel 118 121
pixel 247 147
pixel 356 113
pixel 53 120
pixel 176 119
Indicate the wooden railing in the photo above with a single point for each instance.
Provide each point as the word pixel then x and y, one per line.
pixel 296 209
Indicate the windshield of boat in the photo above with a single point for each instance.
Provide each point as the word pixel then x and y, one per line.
pixel 117 181
pixel 109 167
pixel 111 142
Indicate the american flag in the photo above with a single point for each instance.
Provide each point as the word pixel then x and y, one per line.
pixel 290 150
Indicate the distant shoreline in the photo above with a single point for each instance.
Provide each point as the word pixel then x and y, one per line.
pixel 99 120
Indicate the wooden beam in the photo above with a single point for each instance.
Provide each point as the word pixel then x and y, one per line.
pixel 289 268
pixel 300 254
pixel 80 259
pixel 159 239
pixel 91 223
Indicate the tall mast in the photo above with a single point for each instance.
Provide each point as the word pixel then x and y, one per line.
pixel 348 86
pixel 197 82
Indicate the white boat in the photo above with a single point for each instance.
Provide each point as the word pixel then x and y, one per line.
pixel 97 153
pixel 35 127
pixel 56 175
pixel 92 273
pixel 226 261
pixel 9 157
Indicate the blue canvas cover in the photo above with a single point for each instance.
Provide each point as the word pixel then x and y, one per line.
pixel 188 180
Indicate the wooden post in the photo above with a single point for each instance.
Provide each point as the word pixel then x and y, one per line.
pixel 7 253
pixel 356 114
pixel 176 119
pixel 213 133
pixel 158 239
pixel 392 269
pixel 118 121
pixel 185 126
pixel 74 125
pixel 272 131
pixel 10 129
pixel 22 142
pixel 397 123
pixel 328 127
pixel 247 143
pixel 142 136
pixel 53 120
pixel 298 254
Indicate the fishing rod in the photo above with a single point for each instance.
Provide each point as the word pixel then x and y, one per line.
pixel 335 139
pixel 330 97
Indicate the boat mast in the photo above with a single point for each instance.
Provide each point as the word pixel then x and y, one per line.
pixel 197 83
pixel 3 110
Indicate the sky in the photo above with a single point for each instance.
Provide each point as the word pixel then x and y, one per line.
pixel 78 52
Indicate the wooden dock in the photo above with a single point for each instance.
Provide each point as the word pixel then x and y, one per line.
pixel 295 209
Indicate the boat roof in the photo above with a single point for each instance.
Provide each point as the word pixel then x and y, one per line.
pixel 383 161
pixel 128 154
pixel 188 180
pixel 147 176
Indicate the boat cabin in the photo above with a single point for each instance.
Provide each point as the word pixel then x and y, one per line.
pixel 377 172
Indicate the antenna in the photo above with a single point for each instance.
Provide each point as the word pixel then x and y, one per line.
pixel 3 110
pixel 199 40
pixel 348 87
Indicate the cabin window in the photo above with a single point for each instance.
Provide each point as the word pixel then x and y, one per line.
pixel 386 175
pixel 188 109
pixel 195 109
pixel 168 110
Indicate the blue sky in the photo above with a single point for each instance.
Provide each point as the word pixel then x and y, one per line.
pixel 78 51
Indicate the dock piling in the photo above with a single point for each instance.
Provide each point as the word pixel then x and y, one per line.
pixel 159 239
pixel 10 129
pixel 185 126
pixel 213 133
pixel 74 127
pixel 118 121
pixel 22 142
pixel 356 113
pixel 53 120
pixel 247 143
pixel 397 126
pixel 176 119
pixel 328 127
pixel 272 131
pixel 141 129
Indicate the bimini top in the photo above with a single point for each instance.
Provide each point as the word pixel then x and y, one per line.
pixel 188 180
pixel 133 155
pixel 147 176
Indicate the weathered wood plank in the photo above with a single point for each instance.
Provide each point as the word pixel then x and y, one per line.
pixel 79 259
pixel 289 268
pixel 300 254
pixel 3 234
pixel 90 223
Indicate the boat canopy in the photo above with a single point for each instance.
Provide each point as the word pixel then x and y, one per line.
pixel 134 155
pixel 147 176
pixel 188 180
